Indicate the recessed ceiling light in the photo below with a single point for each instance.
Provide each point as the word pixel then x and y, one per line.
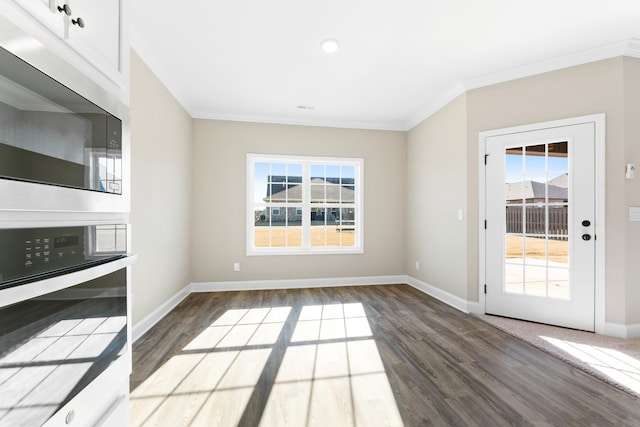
pixel 330 45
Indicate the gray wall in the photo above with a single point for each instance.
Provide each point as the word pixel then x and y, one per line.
pixel 611 87
pixel 219 204
pixel 436 190
pixel 632 155
pixel 161 191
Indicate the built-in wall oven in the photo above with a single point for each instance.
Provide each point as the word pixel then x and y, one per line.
pixel 64 335
pixel 65 279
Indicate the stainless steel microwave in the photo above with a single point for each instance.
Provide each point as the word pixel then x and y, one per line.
pixel 58 150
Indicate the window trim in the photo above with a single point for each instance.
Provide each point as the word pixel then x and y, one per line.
pixel 306 205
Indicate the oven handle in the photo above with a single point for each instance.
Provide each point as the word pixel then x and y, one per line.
pixel 16 294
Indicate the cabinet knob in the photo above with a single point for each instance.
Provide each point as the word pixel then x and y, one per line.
pixel 65 8
pixel 78 21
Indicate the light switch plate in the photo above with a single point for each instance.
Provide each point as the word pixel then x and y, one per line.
pixel 634 214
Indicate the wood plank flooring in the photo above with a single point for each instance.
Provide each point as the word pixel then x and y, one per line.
pixel 353 356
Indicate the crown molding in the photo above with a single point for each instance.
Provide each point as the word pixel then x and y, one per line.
pixel 283 120
pixel 630 47
pixel 633 48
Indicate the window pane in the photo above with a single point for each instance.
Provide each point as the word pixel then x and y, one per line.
pixel 558 163
pixel 333 193
pixel 514 247
pixel 261 173
pixel 348 174
pixel 333 174
pixel 513 175
pixel 317 171
pixel 277 189
pixel 262 235
pixel 294 170
pixel 278 236
pixel 294 236
pixel 347 226
pixel 294 193
pixel 278 226
pixel 559 283
pixel 278 169
pixel 535 161
pixel 318 226
pixel 535 249
pixel 536 220
pixel 348 193
pixel 294 183
pixel 318 191
pixel 535 280
pixel 514 215
pixel 514 278
pixel 294 227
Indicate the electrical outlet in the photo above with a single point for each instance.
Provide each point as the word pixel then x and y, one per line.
pixel 417 265
pixel 236 266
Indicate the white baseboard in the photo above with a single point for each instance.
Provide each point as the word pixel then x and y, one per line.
pixel 447 298
pixel 141 327
pixel 261 285
pixel 633 331
pixel 620 330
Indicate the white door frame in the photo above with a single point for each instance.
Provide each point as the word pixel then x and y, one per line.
pixel 599 122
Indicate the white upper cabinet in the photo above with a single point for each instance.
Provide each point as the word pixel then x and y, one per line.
pixel 47 13
pixel 93 29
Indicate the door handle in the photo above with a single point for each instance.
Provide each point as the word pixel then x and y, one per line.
pixel 586 237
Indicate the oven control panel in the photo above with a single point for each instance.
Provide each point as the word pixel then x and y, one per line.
pixel 42 250
pixel 29 253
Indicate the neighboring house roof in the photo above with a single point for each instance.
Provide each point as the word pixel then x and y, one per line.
pixel 334 193
pixel 534 190
pixel 560 181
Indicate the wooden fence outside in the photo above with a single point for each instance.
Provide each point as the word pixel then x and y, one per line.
pixel 534 216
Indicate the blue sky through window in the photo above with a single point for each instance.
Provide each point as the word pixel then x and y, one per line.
pixel 535 168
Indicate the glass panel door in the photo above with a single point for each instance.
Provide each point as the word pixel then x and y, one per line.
pixel 536 220
pixel 540 212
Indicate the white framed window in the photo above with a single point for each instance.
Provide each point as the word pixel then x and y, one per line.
pixel 304 205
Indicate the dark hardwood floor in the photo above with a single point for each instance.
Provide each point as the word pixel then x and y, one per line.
pixel 375 355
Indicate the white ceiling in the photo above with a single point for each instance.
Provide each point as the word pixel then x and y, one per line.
pixel 399 60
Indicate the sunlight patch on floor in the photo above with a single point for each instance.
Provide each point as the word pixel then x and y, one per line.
pixel 618 366
pixel 329 372
pixel 213 380
pixel 336 377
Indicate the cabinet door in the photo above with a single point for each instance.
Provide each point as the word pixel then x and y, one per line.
pixel 99 40
pixel 46 12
